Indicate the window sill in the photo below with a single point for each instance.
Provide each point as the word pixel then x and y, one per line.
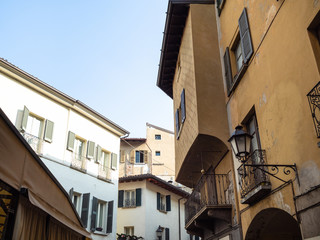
pixel 100 233
pixel 237 78
pixel 163 211
pixel 139 163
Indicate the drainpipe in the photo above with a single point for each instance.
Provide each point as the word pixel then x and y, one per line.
pixel 179 218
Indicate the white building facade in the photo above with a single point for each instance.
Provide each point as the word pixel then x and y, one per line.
pixel 79 146
pixel 146 202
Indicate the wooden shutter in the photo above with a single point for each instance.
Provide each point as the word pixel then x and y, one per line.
pixel 146 157
pixel 90 149
pixel 48 132
pixel 245 37
pixel 85 209
pixel 227 69
pixel 132 156
pixel 24 119
pixel 98 155
pixel 183 107
pixel 138 197
pixel 120 198
pixel 114 161
pixel 110 217
pixel 122 156
pixel 168 203
pixel 167 234
pixel 71 138
pixel 71 193
pixel 177 122
pixel 158 201
pixel 94 213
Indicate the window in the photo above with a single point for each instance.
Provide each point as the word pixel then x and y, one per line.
pixel 129 230
pixel 78 147
pixel 129 198
pixel 220 4
pixel 140 156
pixel 158 153
pixel 106 159
pixel 101 216
pixel 166 234
pixel 157 137
pixel 163 202
pixel 76 200
pixel 180 115
pixel 35 129
pixel 241 50
pixel 252 129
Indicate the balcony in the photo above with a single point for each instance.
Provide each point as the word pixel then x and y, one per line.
pixel 79 163
pixel 129 203
pixel 209 205
pixel 35 142
pixel 254 182
pixel 104 172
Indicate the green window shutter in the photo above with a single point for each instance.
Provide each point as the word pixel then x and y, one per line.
pixel 94 213
pixel 71 193
pixel 98 155
pixel 138 197
pixel 183 107
pixel 114 161
pixel 24 119
pixel 90 149
pixel 167 234
pixel 85 209
pixel 168 203
pixel 227 69
pixel 71 138
pixel 48 132
pixel 245 37
pixel 120 198
pixel 110 217
pixel 177 122
pixel 158 201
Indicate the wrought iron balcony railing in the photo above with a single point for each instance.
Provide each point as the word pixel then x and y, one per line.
pixel 104 172
pixel 211 191
pixel 35 142
pixel 129 203
pixel 79 162
pixel 251 177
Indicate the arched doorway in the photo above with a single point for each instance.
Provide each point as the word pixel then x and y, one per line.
pixel 273 224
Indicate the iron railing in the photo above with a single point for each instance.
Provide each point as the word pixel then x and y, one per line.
pixel 129 203
pixel 79 162
pixel 251 177
pixel 104 172
pixel 36 143
pixel 212 190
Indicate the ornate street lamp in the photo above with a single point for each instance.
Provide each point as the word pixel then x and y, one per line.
pixel 240 143
pixel 159 232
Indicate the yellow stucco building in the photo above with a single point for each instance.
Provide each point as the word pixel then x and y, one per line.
pixel 256 64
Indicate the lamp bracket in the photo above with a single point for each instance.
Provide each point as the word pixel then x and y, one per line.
pixel 274 169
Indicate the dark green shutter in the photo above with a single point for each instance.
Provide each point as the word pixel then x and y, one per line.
pixel 245 37
pixel 114 161
pixel 183 107
pixel 94 214
pixel 227 69
pixel 168 203
pixel 158 201
pixel 120 198
pixel 177 122
pixel 110 217
pixel 24 119
pixel 71 138
pixel 98 155
pixel 71 193
pixel 85 209
pixel 48 132
pixel 138 197
pixel 167 234
pixel 90 149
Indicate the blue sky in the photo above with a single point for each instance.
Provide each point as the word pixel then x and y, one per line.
pixel 104 53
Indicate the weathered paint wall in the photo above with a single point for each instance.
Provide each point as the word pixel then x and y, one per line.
pixel 281 72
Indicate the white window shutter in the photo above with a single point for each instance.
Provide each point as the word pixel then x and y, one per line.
pixel 48 132
pixel 24 119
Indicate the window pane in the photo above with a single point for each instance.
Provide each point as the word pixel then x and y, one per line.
pixel 238 54
pixel 33 126
pixel 158 137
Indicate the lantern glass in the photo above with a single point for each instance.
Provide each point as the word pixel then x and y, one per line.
pixel 240 143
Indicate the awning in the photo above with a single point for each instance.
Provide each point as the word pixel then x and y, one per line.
pixel 22 168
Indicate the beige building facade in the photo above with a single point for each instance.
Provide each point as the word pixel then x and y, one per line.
pixel 254 64
pixel 153 154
